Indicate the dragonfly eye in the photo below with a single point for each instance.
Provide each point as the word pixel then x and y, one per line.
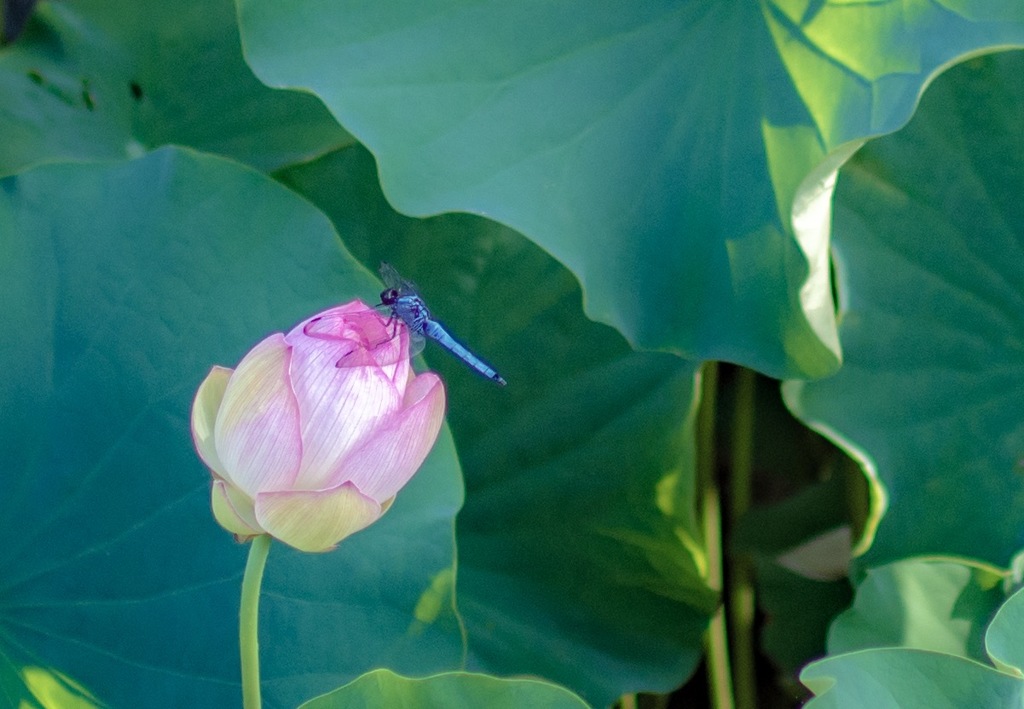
pixel 389 296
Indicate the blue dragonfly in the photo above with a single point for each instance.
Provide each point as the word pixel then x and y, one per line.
pixel 407 305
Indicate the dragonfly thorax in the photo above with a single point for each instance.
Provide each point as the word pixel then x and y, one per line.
pixel 412 310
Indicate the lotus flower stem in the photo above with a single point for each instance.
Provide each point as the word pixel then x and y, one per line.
pixel 740 589
pixel 716 637
pixel 248 621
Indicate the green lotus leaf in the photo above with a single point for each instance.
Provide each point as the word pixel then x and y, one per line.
pixel 108 79
pixel 123 284
pixel 929 242
pixel 382 688
pixel 678 158
pixel 912 676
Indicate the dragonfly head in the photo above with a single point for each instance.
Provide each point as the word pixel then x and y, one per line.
pixel 388 296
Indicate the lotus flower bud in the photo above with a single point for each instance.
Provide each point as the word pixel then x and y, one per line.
pixel 311 437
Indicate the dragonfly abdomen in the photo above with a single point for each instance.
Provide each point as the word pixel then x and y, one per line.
pixel 435 331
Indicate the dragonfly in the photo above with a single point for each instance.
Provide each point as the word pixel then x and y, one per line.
pixel 406 305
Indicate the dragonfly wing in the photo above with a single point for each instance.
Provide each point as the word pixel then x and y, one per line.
pixel 416 343
pixel 392 279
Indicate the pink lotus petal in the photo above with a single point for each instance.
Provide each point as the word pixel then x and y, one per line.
pixel 315 520
pixel 204 417
pixel 389 458
pixel 233 511
pixel 338 406
pixel 354 334
pixel 257 429
pixel 352 325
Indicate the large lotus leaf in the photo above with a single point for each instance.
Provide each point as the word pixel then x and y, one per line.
pixel 929 238
pixel 677 157
pixel 122 284
pixel 905 677
pixel 579 556
pixel 930 604
pixel 111 78
pixel 382 688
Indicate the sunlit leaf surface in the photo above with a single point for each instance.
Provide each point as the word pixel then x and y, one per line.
pixel 930 245
pixel 456 689
pixel 927 666
pixel 677 157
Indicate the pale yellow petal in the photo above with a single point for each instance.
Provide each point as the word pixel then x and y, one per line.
pixel 233 511
pixel 315 520
pixel 204 416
